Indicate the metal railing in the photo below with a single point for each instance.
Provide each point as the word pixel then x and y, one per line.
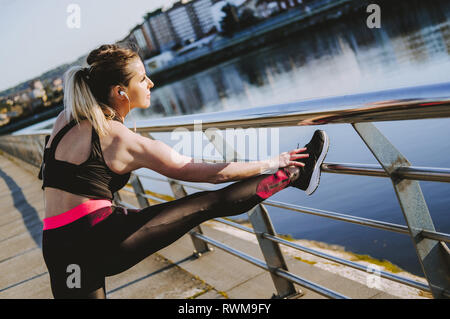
pixel 359 110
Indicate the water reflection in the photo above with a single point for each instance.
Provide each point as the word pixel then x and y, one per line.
pixel 344 57
pixel 411 48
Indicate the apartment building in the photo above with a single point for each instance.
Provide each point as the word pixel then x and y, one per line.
pixel 161 29
pixel 202 10
pixel 179 25
pixel 180 16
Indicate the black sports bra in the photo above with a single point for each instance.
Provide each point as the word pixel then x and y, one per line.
pixel 92 178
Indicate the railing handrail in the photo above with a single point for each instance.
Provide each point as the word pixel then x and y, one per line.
pixel 419 102
pixel 418 173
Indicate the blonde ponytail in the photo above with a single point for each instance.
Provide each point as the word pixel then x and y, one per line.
pixel 87 91
pixel 80 103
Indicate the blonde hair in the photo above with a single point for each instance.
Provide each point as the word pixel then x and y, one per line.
pixel 87 89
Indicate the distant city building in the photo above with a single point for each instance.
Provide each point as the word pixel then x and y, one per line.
pixel 179 25
pixel 286 4
pixel 38 91
pixel 217 13
pixel 161 30
pixel 181 19
pixel 129 40
pixel 186 22
pixel 150 37
pixel 136 40
pixel 38 85
pixel 4 119
pixel 141 42
pixel 57 84
pixel 24 97
pixel 202 9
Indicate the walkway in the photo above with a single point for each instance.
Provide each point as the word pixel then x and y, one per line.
pixel 171 273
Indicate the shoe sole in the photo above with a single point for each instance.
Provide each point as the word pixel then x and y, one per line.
pixel 315 177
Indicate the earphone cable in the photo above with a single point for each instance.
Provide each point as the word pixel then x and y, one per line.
pixel 129 112
pixel 129 108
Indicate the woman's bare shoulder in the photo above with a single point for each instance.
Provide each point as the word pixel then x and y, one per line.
pixel 120 136
pixel 57 125
pixel 59 122
pixel 118 130
pixel 118 148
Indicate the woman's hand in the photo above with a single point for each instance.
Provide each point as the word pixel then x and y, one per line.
pixel 289 159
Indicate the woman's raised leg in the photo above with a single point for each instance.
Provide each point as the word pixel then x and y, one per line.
pixel 135 234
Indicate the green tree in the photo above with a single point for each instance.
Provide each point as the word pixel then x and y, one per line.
pixel 230 22
pixel 247 18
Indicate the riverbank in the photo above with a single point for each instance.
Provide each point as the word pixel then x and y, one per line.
pixel 277 29
pixel 30 120
pixel 387 286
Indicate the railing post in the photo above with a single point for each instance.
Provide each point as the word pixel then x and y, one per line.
pixel 260 219
pixel 261 223
pixel 117 199
pixel 433 255
pixel 139 190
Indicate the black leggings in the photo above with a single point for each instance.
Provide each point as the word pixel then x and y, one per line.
pixel 81 254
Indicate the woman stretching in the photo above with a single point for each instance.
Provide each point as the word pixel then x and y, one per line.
pixel 89 156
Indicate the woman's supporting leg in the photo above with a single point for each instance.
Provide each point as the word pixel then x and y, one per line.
pixel 71 256
pixel 132 235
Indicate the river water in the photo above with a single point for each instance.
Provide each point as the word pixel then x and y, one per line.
pixel 342 57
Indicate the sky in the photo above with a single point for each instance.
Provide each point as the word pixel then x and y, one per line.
pixel 35 36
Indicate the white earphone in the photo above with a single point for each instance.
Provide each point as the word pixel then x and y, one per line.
pixel 129 110
pixel 123 94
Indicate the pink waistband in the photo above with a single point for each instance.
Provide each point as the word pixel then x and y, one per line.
pixel 75 213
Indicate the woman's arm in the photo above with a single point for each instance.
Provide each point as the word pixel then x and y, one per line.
pixel 234 171
pixel 137 151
